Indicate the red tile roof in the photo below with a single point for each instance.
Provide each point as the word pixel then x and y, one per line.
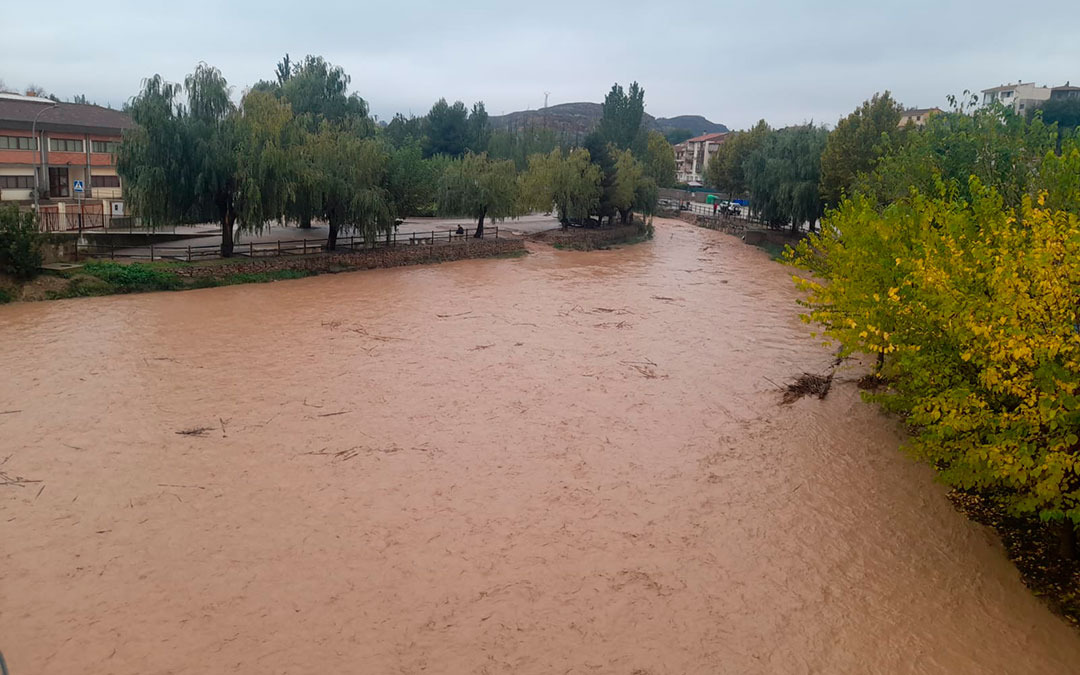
pixel 707 137
pixel 19 113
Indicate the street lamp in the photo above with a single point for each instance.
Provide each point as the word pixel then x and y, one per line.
pixel 33 134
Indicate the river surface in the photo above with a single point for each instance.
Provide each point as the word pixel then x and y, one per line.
pixel 565 463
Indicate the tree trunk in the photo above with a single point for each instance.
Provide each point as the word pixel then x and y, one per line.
pixel 331 237
pixel 305 222
pixel 227 234
pixel 1067 540
pixel 480 226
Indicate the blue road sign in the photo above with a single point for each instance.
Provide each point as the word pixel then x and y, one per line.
pixel 77 185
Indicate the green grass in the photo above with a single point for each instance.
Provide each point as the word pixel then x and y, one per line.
pixel 775 250
pixel 133 278
pixel 520 253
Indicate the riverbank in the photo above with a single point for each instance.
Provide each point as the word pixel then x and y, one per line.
pixel 105 277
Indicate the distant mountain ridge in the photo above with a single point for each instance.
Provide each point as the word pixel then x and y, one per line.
pixel 581 118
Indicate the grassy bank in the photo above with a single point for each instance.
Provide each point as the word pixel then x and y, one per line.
pixel 97 277
pixel 110 278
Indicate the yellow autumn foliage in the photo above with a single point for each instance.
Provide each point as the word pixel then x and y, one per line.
pixel 972 309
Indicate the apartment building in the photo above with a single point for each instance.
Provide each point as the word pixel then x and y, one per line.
pixel 693 155
pixel 48 145
pixel 1065 92
pixel 1020 96
pixel 917 116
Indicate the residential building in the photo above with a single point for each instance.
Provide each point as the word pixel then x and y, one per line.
pixel 917 116
pixel 1020 96
pixel 60 143
pixel 693 155
pixel 1064 93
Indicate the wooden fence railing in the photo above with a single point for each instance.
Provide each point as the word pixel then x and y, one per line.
pixel 251 249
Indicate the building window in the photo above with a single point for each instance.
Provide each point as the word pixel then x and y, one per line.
pixel 105 181
pixel 17 143
pixel 65 145
pixel 16 182
pixel 110 147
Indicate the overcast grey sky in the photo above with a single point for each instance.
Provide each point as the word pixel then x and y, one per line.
pixel 734 62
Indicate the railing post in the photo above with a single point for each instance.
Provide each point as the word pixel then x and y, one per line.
pixel 496 231
pixel 279 248
pixel 189 252
pixel 305 246
pixel 251 249
pixel 151 250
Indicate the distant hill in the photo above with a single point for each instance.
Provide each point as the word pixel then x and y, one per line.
pixel 695 124
pixel 581 118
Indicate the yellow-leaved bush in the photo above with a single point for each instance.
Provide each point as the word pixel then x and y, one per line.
pixel 973 312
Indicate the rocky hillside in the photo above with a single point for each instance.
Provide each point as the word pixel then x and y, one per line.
pixel 581 118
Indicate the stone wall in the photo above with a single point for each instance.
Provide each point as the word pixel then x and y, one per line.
pixel 737 226
pixel 396 256
pixel 578 237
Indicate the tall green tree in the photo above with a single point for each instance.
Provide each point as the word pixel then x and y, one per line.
pixel 155 159
pixel 211 132
pixel 623 112
pixel 479 130
pixel 481 188
pixel 660 160
pixel 633 189
pixel 569 181
pixel 603 155
pixel 266 138
pixel 447 129
pixel 726 171
pixel 520 145
pixel 783 176
pixel 319 92
pixel 412 181
pixel 999 147
pixel 349 174
pixel 856 143
pixel 207 160
pixel 404 131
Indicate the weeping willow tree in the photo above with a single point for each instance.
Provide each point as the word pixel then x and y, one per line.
pixel 569 181
pixel 479 187
pixel 348 174
pixel 207 160
pixel 783 176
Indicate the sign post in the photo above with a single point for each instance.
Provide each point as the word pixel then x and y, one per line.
pixel 77 187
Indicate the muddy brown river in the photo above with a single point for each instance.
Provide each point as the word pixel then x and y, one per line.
pixel 566 463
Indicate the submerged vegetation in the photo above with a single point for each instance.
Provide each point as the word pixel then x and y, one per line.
pixel 954 261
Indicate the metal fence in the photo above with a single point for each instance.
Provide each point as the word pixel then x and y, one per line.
pixel 265 249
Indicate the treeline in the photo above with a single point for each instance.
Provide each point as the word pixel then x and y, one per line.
pixel 950 253
pixel 792 175
pixel 301 148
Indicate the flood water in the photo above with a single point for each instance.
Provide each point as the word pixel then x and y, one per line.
pixel 566 463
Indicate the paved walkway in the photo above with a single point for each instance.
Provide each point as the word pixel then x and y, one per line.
pixel 529 224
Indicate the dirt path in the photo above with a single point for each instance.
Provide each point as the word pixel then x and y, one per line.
pixel 568 463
